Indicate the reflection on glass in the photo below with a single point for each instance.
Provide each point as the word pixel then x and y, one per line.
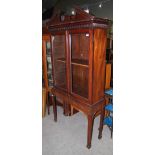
pixel 79 63
pixel 49 64
pixel 48 45
pixel 59 60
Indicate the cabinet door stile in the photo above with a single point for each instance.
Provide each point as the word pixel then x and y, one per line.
pixel 90 79
pixel 67 61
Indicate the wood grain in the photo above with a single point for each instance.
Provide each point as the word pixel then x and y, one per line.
pixel 99 64
pixel 108 76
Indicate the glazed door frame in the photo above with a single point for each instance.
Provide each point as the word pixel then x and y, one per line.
pixel 45 38
pixel 52 57
pixel 90 63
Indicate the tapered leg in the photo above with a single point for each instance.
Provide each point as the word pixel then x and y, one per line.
pixel 54 107
pixel 65 108
pixel 112 129
pixel 68 109
pixel 90 130
pixel 43 102
pixel 48 104
pixel 101 122
pixel 72 110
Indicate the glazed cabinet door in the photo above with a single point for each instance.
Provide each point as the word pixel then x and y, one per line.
pixel 47 65
pixel 59 60
pixel 79 62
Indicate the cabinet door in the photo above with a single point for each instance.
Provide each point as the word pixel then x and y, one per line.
pixel 79 49
pixel 47 65
pixel 59 61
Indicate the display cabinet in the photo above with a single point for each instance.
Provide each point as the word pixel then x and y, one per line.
pixel 47 71
pixel 47 65
pixel 78 56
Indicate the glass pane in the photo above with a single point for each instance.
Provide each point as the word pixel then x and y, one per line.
pixel 79 63
pixel 59 60
pixel 49 64
pixel 43 81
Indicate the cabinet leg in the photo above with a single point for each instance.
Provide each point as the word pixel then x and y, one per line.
pixel 47 101
pixel 68 109
pixel 111 131
pixel 101 122
pixel 90 130
pixel 72 110
pixel 54 107
pixel 65 108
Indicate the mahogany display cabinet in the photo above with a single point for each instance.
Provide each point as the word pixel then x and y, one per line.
pixel 47 83
pixel 79 58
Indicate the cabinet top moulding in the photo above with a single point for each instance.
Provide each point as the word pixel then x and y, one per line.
pixel 80 20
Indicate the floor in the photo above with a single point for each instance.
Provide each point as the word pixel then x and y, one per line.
pixel 68 136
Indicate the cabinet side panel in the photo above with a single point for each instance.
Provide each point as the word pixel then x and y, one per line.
pixel 99 64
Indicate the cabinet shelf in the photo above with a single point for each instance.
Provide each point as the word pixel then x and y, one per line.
pixel 62 60
pixel 78 62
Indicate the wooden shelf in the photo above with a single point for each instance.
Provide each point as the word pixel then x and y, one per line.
pixel 62 60
pixel 78 62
